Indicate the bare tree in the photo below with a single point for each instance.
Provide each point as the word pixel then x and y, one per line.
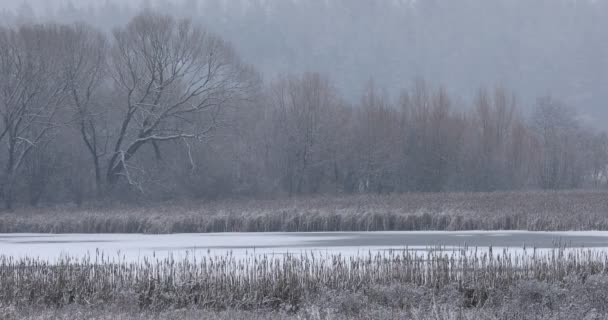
pixel 30 93
pixel 493 121
pixel 84 70
pixel 171 80
pixel 434 133
pixel 302 107
pixel 558 132
pixel 376 139
pixel 599 159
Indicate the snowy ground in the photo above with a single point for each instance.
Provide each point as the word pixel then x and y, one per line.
pixel 136 247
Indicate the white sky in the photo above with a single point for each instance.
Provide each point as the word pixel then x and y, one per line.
pixel 42 4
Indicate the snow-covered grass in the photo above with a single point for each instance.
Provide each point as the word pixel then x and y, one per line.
pixel 538 211
pixel 549 285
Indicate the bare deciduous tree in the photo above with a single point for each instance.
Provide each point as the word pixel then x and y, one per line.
pixel 30 94
pixel 302 107
pixel 171 79
pixel 84 70
pixel 558 132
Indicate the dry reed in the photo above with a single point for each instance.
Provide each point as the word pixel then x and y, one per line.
pixel 534 211
pixel 275 283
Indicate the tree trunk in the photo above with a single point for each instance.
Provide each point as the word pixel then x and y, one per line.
pixel 10 176
pixel 9 192
pixel 98 186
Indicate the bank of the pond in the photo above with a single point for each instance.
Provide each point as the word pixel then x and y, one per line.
pixel 533 211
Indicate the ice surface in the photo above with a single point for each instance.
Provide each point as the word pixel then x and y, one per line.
pixel 136 247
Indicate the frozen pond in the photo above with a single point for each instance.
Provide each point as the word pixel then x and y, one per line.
pixel 134 247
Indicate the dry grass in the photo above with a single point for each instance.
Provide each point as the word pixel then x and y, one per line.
pixel 399 285
pixel 538 211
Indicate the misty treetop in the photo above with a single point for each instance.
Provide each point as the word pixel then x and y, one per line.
pixel 162 108
pixel 534 47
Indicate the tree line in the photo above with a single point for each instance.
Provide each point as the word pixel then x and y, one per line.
pixel 161 108
pixel 533 47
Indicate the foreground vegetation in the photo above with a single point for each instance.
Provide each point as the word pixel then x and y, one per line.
pixel 538 211
pixel 558 284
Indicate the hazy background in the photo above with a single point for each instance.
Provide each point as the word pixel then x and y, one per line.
pixel 533 47
pixel 357 96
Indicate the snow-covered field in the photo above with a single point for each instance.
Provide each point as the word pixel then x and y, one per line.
pixel 136 247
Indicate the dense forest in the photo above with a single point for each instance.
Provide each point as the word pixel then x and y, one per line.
pixel 164 107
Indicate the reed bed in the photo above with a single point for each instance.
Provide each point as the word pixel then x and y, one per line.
pixel 287 282
pixel 534 211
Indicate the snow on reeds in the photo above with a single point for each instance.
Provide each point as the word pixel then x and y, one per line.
pixel 534 211
pixel 276 282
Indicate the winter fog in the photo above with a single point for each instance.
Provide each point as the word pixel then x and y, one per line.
pixel 534 48
pixel 212 99
pixel 304 159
